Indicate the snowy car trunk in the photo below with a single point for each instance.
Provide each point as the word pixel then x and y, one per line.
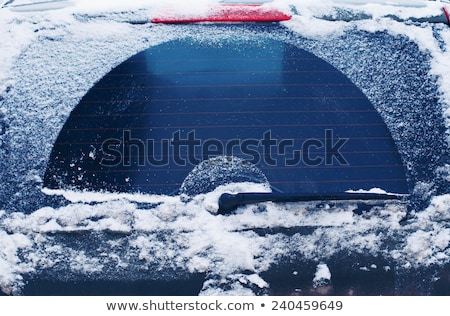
pixel 60 238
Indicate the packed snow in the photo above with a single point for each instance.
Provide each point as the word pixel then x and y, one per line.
pixel 322 276
pixel 132 236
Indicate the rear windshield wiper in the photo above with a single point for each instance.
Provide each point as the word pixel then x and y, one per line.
pixel 229 202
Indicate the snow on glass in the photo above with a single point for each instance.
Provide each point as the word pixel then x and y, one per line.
pixel 158 233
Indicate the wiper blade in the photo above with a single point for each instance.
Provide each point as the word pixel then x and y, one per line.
pixel 229 202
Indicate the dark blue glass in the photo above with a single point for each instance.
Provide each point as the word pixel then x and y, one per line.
pixel 300 121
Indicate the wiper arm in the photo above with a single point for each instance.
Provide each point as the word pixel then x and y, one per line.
pixel 229 202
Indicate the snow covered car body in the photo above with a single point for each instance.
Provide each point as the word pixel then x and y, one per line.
pixel 124 238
